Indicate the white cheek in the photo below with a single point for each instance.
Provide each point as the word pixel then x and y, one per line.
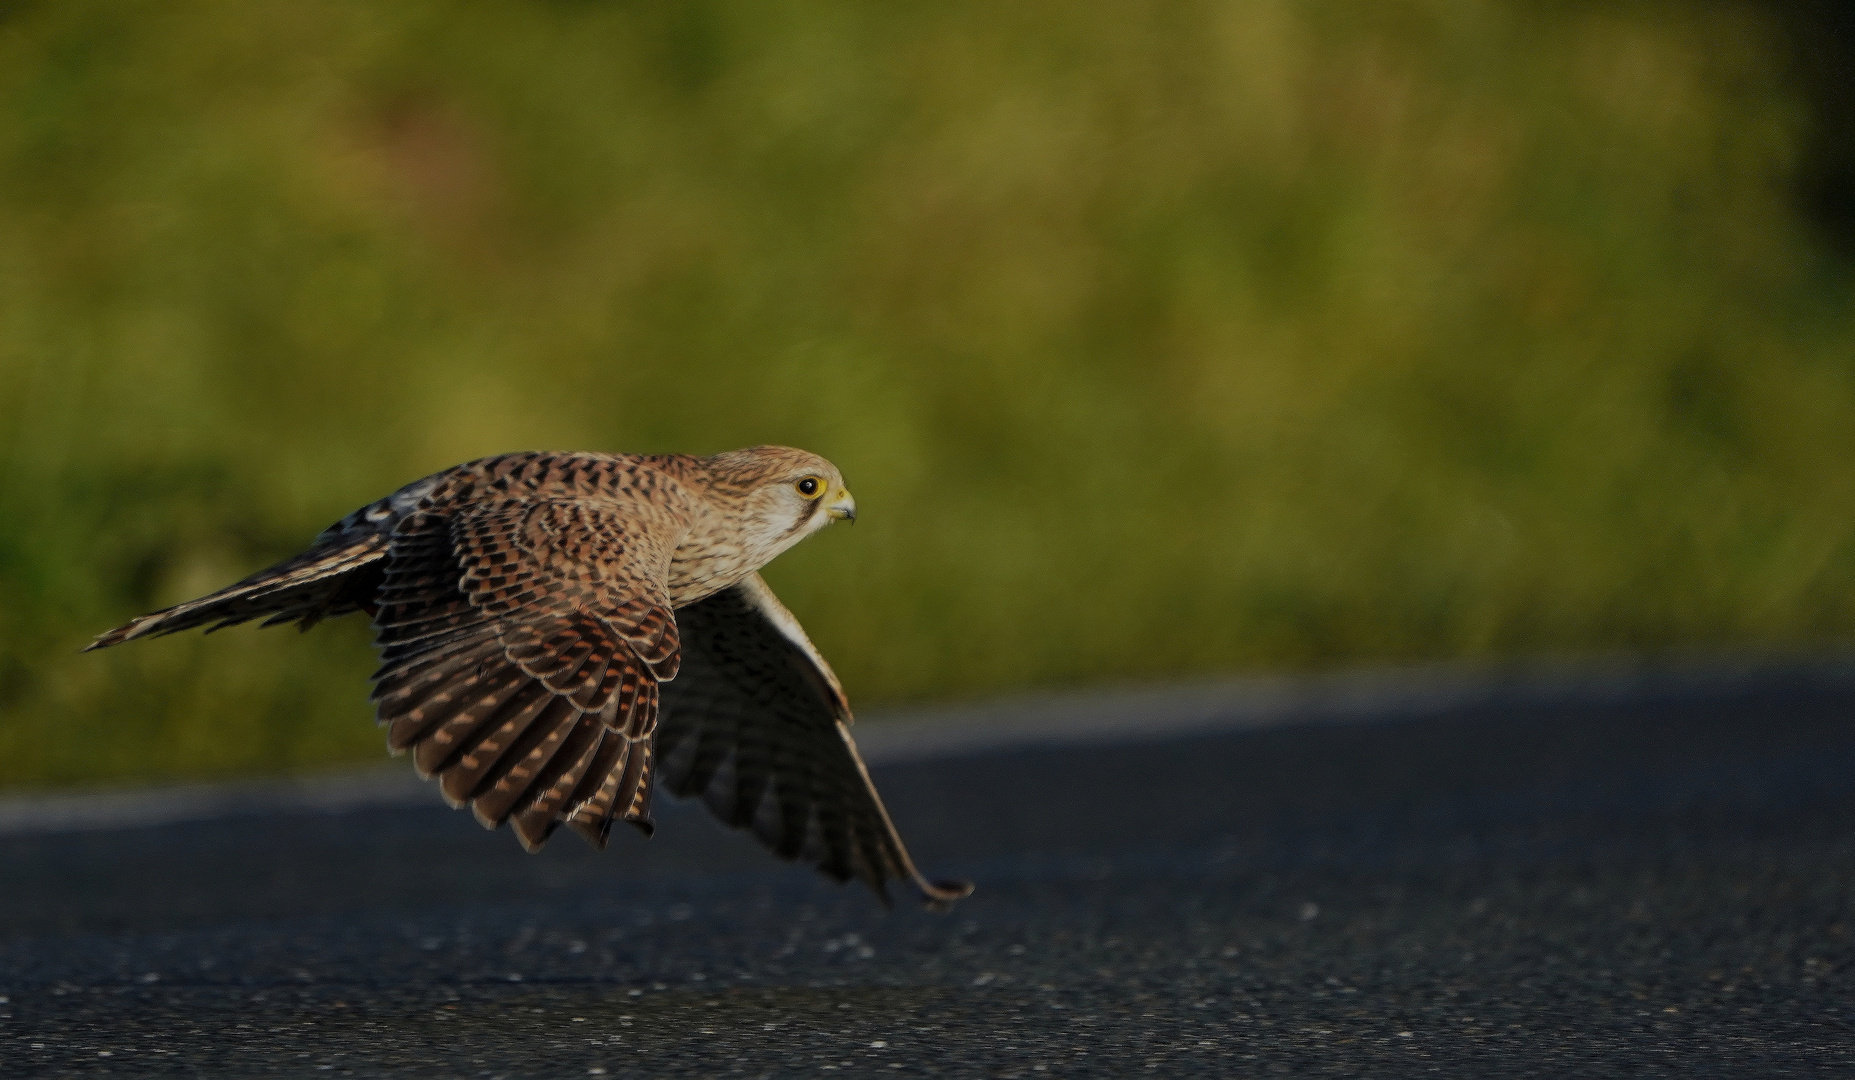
pixel 774 519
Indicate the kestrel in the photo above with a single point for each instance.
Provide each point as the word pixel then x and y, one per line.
pixel 555 628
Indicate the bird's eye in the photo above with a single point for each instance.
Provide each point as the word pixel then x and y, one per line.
pixel 810 487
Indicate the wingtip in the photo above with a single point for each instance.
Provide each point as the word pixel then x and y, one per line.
pixel 940 896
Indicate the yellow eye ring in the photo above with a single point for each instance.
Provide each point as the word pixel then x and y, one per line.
pixel 811 487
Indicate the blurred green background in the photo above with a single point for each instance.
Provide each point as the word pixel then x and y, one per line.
pixel 1155 338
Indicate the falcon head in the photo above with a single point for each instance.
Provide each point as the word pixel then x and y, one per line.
pixel 782 495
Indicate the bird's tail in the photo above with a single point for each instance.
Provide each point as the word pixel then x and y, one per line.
pixel 333 578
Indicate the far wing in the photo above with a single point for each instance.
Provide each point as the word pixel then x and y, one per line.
pixel 756 724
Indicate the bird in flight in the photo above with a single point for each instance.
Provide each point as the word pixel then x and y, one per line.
pixel 558 630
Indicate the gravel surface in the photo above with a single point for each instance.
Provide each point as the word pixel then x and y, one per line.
pixel 1520 884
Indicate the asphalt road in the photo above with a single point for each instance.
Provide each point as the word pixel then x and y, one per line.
pixel 1564 883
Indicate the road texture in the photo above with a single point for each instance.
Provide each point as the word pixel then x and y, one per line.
pixel 1565 875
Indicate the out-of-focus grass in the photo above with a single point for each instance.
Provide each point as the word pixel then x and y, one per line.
pixel 1154 338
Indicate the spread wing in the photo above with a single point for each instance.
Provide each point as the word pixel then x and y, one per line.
pixel 757 725
pixel 522 641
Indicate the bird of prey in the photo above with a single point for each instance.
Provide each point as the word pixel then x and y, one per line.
pixel 556 629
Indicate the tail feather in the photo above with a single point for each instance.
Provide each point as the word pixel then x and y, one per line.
pixel 330 579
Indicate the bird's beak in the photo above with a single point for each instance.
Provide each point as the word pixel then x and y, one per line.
pixel 842 508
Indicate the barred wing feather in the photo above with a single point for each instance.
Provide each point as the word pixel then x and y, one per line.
pixel 521 645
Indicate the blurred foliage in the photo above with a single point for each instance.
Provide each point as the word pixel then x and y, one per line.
pixel 1154 338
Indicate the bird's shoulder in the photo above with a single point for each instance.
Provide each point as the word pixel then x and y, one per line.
pixel 555 476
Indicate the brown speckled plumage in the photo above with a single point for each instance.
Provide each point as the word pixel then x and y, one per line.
pixel 553 628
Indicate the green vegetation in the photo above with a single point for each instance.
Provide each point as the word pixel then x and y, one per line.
pixel 1154 338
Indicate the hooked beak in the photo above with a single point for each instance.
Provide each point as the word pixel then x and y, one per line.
pixel 843 507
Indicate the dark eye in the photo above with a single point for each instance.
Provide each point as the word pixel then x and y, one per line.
pixel 809 486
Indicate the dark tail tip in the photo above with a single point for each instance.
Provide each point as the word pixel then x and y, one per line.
pixel 140 626
pixel 111 637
